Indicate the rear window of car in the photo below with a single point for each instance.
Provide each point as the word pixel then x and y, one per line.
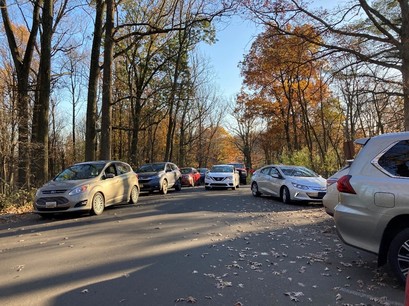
pixel 396 159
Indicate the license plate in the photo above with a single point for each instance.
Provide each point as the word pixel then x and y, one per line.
pixel 50 204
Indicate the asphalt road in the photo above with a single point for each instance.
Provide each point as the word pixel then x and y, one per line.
pixel 220 247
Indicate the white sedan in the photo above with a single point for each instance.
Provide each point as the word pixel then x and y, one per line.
pixel 222 176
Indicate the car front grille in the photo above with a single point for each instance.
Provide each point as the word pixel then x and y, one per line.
pixel 218 179
pixel 319 195
pixel 54 191
pixel 58 200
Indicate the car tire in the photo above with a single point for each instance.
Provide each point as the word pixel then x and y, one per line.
pixel 164 188
pixel 285 195
pixel 254 190
pixel 398 255
pixel 134 195
pixel 98 204
pixel 178 185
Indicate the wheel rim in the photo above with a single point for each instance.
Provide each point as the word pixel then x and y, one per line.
pixel 134 195
pixel 403 258
pixel 98 204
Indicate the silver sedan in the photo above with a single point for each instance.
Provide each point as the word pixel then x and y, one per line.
pixel 289 183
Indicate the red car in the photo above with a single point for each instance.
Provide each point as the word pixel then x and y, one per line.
pixel 190 176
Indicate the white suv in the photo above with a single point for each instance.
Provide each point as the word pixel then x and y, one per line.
pixel 373 209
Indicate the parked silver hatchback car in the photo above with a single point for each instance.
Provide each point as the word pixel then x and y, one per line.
pixel 373 209
pixel 88 186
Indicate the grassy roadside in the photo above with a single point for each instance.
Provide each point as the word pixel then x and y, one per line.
pixel 17 202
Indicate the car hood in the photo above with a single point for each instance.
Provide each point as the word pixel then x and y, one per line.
pixel 220 174
pixel 309 181
pixel 148 174
pixel 64 184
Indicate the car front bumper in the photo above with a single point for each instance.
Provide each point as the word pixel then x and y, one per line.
pixel 307 195
pixel 225 183
pixel 61 203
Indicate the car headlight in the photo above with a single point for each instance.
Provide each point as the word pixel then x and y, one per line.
pixel 229 177
pixel 38 192
pixel 300 186
pixel 208 177
pixel 78 190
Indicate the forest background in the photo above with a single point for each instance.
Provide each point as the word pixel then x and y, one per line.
pixel 314 80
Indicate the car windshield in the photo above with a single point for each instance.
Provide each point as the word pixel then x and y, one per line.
pixel 298 171
pixel 185 170
pixel 238 165
pixel 80 172
pixel 222 169
pixel 151 167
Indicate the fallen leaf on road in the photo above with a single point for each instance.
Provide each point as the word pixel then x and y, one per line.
pixel 189 299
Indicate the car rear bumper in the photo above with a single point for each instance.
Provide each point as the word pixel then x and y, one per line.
pixel 349 224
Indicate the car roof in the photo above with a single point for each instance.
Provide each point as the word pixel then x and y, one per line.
pixel 98 162
pixel 387 136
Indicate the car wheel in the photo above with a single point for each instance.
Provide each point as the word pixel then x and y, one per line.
pixel 398 255
pixel 178 185
pixel 164 189
pixel 134 196
pixel 98 204
pixel 254 190
pixel 285 195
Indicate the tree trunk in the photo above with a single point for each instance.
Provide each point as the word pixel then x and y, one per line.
pixel 405 58
pixel 91 132
pixel 106 115
pixel 40 146
pixel 22 67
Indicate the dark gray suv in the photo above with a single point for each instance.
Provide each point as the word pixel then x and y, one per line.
pixel 159 176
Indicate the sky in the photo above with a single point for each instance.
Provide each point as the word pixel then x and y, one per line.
pixel 234 38
pixel 234 41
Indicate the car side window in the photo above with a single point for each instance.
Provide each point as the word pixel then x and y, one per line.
pixel 122 169
pixel 110 170
pixel 396 159
pixel 168 167
pixel 274 172
pixel 265 171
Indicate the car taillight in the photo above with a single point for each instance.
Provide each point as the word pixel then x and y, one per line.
pixel 344 185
